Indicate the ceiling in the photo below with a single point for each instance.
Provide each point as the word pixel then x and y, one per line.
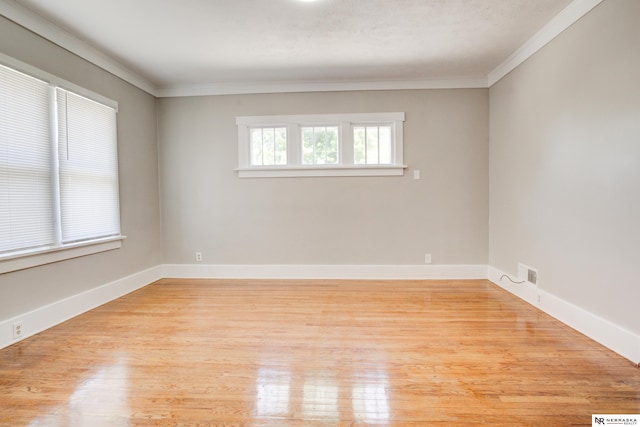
pixel 189 43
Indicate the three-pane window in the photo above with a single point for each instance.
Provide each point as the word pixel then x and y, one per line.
pixel 320 145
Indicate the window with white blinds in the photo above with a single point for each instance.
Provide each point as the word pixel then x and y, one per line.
pixel 88 168
pixel 26 194
pixel 58 166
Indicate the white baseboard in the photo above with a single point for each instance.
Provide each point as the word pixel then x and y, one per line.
pixel 199 271
pixel 45 317
pixel 612 336
pixel 618 339
pixel 52 314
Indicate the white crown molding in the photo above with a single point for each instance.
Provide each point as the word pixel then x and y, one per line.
pixel 45 317
pixel 610 335
pixel 242 88
pixel 39 25
pixel 567 17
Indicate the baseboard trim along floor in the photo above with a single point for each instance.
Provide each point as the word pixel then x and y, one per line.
pixel 612 336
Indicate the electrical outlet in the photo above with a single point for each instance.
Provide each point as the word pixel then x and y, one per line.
pixel 427 258
pixel 198 256
pixel 18 330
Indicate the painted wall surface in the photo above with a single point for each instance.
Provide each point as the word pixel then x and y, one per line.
pixel 26 290
pixel 565 165
pixel 329 220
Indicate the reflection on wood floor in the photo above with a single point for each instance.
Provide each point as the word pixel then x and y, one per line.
pixel 313 353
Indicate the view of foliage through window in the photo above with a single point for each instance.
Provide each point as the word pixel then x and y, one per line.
pixel 345 144
pixel 268 146
pixel 372 145
pixel 320 145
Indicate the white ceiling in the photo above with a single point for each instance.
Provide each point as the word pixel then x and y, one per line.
pixel 182 43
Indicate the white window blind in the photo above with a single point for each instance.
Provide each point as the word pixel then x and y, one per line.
pixel 25 162
pixel 58 169
pixel 88 163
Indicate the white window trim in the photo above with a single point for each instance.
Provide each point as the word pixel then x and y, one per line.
pixel 19 260
pixel 22 259
pixel 56 81
pixel 345 123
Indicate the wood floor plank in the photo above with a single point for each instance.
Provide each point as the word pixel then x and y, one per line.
pixel 313 353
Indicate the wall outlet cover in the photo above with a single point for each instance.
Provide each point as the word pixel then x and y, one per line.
pixel 18 330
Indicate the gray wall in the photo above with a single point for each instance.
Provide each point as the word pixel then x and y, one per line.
pixel 565 164
pixel 25 290
pixel 334 220
pixel 563 196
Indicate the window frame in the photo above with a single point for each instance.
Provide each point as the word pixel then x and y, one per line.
pixel 275 150
pixel 365 127
pixel 19 259
pixel 315 157
pixel 344 167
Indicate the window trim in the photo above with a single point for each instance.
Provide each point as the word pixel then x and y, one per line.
pixel 56 81
pixel 345 166
pixel 20 260
pixel 27 258
pixel 262 129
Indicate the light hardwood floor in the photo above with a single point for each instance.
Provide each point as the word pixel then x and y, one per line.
pixel 313 353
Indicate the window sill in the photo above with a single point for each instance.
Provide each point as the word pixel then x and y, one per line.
pixel 311 171
pixel 26 259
